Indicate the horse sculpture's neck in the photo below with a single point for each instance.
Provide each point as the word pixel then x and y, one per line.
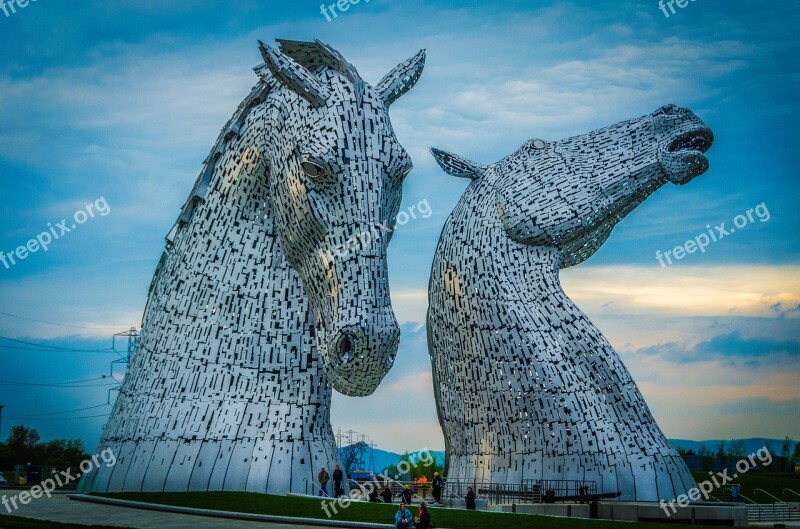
pixel 225 391
pixel 527 387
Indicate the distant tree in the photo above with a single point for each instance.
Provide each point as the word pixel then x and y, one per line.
pixel 352 457
pixel 683 452
pixel 403 469
pixel 64 452
pixel 737 448
pixel 721 449
pixel 796 454
pixel 415 468
pixel 6 457
pixel 706 457
pixel 21 442
pixel 771 448
pixel 24 446
pixel 786 446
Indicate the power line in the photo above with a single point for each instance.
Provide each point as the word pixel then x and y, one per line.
pixel 62 386
pixel 57 418
pixel 56 383
pixel 65 411
pixel 35 350
pixel 45 347
pixel 56 324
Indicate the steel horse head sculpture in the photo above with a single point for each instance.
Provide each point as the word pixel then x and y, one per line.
pixel 252 315
pixel 527 387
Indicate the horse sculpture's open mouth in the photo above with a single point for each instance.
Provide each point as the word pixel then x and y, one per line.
pixel 696 141
pixel 684 158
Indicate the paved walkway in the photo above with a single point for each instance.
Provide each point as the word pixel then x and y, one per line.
pixel 60 509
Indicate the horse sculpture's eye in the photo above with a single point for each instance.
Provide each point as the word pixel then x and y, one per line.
pixel 312 170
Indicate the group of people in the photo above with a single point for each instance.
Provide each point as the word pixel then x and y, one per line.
pixel 324 478
pixel 403 518
pixel 420 483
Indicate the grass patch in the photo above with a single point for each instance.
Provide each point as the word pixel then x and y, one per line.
pixel 369 512
pixel 15 522
pixel 772 483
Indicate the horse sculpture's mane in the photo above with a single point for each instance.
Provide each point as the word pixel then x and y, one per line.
pixel 311 55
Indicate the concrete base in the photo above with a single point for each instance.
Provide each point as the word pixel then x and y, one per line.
pixel 567 510
pixel 480 505
pixel 735 515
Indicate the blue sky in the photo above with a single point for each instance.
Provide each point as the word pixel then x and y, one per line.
pixel 122 100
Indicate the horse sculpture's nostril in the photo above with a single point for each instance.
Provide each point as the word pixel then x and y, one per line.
pixel 345 350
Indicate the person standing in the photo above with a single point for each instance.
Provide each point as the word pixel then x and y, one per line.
pixel 323 478
pixel 436 485
pixel 422 482
pixel 470 498
pixel 424 516
pixel 373 495
pixel 338 491
pixel 386 494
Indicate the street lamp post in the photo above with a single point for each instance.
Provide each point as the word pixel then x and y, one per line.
pixel 1 422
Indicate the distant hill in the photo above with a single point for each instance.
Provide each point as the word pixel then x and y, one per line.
pixel 751 445
pixel 384 459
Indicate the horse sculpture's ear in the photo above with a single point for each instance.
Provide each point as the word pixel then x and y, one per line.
pixel 457 166
pixel 294 76
pixel 400 80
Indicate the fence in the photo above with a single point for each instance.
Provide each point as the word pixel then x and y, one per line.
pixel 776 512
pixel 23 475
pixel 529 491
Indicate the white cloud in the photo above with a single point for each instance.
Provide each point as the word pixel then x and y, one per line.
pixel 684 290
pixel 410 306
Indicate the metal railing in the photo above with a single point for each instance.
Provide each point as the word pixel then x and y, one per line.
pixel 775 512
pixel 529 491
pixel 790 490
pixel 24 477
pixel 745 498
pixel 778 511
pixel 316 486
pixel 457 488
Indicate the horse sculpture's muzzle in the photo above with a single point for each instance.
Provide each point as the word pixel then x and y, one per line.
pixel 360 355
pixel 684 143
